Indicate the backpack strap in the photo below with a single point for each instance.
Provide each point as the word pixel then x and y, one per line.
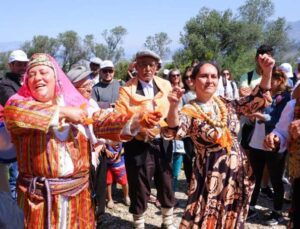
pixel 250 75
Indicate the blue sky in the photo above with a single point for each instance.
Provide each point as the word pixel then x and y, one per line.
pixel 20 20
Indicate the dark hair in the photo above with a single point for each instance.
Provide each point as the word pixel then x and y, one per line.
pixel 199 66
pixel 185 86
pixel 264 49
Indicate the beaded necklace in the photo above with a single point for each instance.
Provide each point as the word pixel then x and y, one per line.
pixel 220 121
pixel 225 140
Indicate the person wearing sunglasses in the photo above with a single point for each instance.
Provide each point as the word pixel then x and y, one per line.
pixel 106 91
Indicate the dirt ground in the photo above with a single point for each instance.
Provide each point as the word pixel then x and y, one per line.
pixel 120 218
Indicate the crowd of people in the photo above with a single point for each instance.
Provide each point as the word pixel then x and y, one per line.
pixel 66 138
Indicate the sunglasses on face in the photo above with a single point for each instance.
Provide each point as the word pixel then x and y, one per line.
pixel 175 75
pixel 187 78
pixel 107 71
pixel 226 73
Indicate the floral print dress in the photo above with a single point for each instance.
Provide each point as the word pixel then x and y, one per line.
pixel 222 180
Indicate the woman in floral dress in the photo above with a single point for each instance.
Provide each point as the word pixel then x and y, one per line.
pixel 222 180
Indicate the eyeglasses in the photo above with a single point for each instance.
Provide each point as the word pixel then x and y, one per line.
pixel 146 64
pixel 175 75
pixel 187 78
pixel 107 71
pixel 85 86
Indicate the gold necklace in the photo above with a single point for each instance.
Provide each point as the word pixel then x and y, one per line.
pixel 222 121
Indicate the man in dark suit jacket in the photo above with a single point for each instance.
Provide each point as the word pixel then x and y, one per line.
pixel 148 155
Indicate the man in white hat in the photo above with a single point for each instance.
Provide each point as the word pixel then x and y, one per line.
pixel 95 63
pixel 9 85
pixel 106 92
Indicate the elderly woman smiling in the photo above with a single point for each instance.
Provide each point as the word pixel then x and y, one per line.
pixel 47 120
pixel 222 180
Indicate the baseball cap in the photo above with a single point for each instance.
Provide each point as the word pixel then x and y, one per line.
pixel 147 53
pixel 166 71
pixel 96 60
pixel 287 69
pixel 78 73
pixel 18 55
pixel 106 64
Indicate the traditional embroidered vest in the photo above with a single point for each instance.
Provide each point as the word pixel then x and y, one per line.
pixel 294 148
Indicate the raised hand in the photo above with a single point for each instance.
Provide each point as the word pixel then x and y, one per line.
pixel 175 95
pixel 266 64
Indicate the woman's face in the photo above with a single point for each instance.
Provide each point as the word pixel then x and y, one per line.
pixel 41 83
pixel 175 77
pixel 276 83
pixel 188 80
pixel 85 88
pixel 206 81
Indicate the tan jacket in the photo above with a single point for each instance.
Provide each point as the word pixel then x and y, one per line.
pixel 132 103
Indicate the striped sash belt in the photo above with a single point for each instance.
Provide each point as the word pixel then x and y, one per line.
pixel 46 187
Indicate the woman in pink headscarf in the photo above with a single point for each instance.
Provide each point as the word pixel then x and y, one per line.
pixel 47 120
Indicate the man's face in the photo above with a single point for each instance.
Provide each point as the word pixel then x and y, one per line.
pixel 107 74
pixel 18 67
pixel 146 68
pixel 95 68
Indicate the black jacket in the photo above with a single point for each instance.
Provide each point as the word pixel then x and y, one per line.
pixel 9 86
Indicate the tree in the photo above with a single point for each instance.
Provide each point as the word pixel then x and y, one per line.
pixel 71 49
pixel 256 11
pixel 276 35
pixel 41 44
pixel 112 50
pixel 159 44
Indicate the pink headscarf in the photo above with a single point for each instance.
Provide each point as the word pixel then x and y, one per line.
pixel 63 85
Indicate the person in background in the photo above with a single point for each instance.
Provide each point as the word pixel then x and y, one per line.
pixel 177 145
pixel 260 157
pixel 288 71
pixel 148 155
pixel 95 63
pixel 116 172
pixel 189 94
pixel 227 86
pixel 106 91
pixel 222 181
pixel 9 85
pixel 249 80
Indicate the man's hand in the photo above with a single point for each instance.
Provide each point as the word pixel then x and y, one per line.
pixel 294 129
pixel 271 142
pixel 150 120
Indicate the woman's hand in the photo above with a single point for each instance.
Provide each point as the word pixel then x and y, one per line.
pixel 271 142
pixel 266 64
pixel 73 115
pixel 258 115
pixel 175 96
